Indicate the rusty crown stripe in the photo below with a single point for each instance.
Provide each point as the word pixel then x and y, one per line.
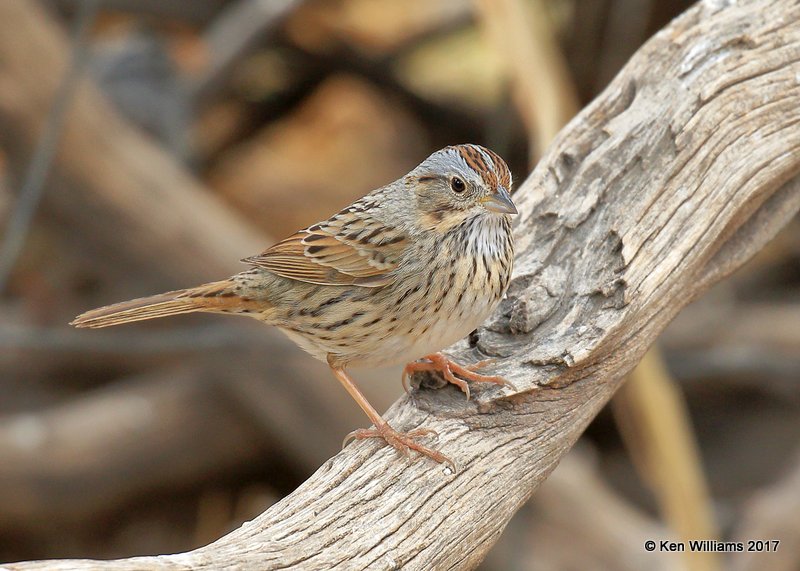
pixel 487 164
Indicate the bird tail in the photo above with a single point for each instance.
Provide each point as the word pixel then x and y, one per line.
pixel 213 297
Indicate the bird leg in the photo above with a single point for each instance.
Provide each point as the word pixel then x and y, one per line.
pixel 449 369
pixel 401 441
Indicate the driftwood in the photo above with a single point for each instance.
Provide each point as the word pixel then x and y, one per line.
pixel 679 172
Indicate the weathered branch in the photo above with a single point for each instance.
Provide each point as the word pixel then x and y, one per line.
pixel 682 169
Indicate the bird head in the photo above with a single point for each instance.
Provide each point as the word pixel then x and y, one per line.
pixel 460 182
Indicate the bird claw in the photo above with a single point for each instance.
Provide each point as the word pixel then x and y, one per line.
pixel 402 441
pixel 449 369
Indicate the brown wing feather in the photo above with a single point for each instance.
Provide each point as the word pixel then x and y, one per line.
pixel 350 248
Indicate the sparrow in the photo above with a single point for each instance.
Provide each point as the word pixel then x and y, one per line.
pixel 395 277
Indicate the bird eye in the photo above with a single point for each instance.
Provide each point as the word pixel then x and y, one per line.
pixel 457 184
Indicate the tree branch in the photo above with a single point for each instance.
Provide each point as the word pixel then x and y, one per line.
pixel 31 191
pixel 71 461
pixel 682 169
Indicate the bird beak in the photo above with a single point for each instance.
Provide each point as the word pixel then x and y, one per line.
pixel 500 202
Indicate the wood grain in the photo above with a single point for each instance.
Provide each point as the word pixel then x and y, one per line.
pixel 682 168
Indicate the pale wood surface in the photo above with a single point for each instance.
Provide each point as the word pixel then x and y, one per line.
pixel 682 169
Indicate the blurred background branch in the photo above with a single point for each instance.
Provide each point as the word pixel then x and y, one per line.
pixel 30 193
pixel 524 36
pixel 234 33
pixel 655 425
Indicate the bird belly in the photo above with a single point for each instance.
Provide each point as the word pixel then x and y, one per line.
pixel 413 336
pixel 308 343
pixel 421 338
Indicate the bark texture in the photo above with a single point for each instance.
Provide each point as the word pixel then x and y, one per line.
pixel 682 169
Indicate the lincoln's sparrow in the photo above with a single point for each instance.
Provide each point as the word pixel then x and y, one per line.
pixel 398 275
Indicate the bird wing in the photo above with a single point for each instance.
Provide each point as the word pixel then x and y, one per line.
pixel 350 248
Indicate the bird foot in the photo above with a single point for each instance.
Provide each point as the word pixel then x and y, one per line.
pixel 402 441
pixel 449 369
